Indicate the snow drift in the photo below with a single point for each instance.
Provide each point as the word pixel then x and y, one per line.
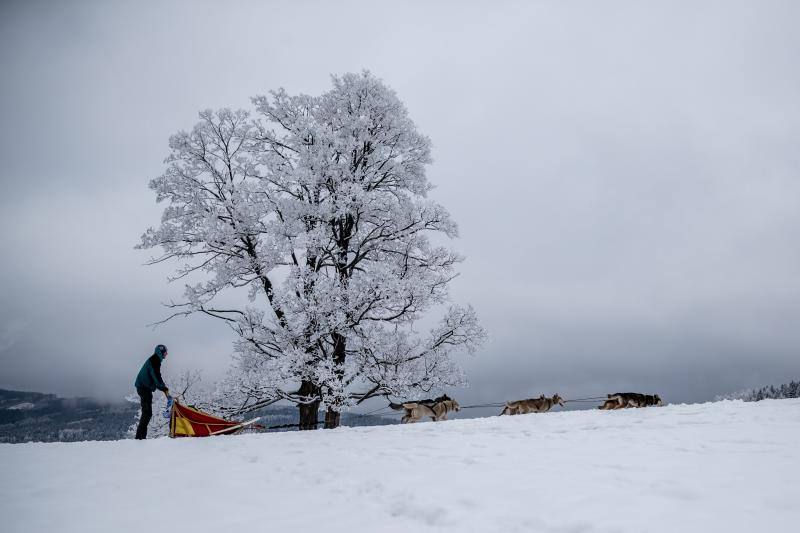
pixel 726 466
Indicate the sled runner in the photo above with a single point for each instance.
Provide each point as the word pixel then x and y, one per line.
pixel 186 421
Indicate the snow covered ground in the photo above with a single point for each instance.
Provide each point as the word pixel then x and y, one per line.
pixel 24 406
pixel 727 467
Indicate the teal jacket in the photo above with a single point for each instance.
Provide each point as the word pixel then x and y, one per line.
pixel 149 377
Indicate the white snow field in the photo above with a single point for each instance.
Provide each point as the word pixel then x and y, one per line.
pixel 715 467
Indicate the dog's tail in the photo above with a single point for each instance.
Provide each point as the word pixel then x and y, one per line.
pixel 396 406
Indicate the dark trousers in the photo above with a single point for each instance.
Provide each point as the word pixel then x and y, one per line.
pixel 147 412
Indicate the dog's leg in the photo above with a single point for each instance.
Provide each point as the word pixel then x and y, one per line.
pixel 620 401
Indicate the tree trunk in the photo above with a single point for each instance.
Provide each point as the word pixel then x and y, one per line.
pixel 332 418
pixel 308 411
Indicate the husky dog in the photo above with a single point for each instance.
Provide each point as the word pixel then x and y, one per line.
pixel 532 405
pixel 437 409
pixel 622 400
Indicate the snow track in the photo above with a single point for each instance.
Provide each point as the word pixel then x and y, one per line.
pixel 726 466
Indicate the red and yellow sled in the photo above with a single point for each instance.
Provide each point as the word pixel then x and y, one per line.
pixel 185 421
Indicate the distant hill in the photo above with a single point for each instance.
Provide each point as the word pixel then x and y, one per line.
pixel 37 417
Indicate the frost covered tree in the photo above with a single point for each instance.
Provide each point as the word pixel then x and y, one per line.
pixel 317 207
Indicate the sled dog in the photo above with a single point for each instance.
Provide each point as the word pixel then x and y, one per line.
pixel 437 409
pixel 532 405
pixel 622 400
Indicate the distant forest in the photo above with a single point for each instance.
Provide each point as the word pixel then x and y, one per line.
pixel 787 390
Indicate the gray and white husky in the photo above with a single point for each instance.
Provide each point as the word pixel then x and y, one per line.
pixel 532 405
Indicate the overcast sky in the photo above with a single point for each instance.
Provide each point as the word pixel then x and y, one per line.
pixel 624 174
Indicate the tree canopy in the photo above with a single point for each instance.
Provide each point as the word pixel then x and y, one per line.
pixel 318 207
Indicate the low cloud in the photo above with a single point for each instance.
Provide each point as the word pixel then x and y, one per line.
pixel 10 334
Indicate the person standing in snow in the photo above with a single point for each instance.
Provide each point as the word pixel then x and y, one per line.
pixel 147 381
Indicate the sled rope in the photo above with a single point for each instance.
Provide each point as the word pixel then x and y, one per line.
pixel 483 405
pixel 592 399
pixel 383 411
pixel 375 411
pixel 318 422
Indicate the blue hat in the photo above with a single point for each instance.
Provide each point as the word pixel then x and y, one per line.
pixel 160 351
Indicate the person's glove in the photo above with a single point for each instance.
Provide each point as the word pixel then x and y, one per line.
pixel 167 394
pixel 168 408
